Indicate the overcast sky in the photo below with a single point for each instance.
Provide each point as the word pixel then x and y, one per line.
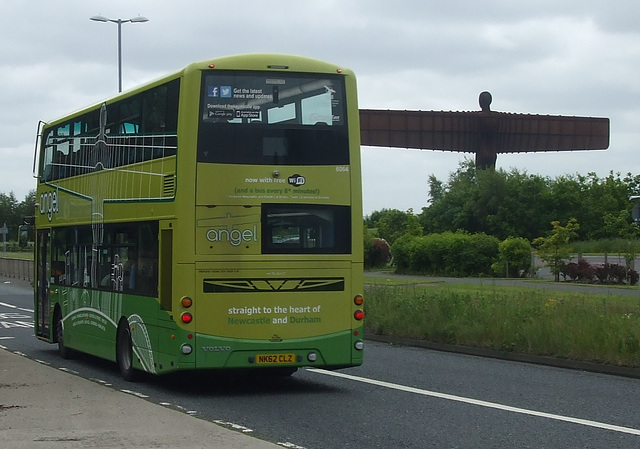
pixel 554 57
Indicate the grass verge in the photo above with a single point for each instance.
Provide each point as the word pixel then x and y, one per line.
pixel 577 326
pixel 28 255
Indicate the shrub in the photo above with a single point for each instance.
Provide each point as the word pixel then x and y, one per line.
pixel 514 257
pixel 401 250
pixel 610 273
pixel 605 274
pixel 378 254
pixel 580 272
pixel 446 254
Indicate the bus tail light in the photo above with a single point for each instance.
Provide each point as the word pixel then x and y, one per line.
pixel 358 300
pixel 359 345
pixel 186 349
pixel 186 318
pixel 186 302
pixel 312 357
pixel 358 315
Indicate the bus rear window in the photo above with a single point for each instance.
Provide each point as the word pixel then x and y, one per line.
pixel 305 229
pixel 272 119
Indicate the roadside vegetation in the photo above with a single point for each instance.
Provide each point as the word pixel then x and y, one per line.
pixel 28 255
pixel 588 327
pixel 491 223
pixel 13 213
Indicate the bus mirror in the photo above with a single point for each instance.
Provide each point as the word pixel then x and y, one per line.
pixel 23 236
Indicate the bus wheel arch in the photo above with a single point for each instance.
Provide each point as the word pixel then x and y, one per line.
pixel 124 351
pixel 58 334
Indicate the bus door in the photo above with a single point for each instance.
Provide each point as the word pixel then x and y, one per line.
pixel 42 279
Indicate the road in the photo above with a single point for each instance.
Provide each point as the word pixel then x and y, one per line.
pixel 402 397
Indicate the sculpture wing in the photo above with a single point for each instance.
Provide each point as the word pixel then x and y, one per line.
pixel 479 132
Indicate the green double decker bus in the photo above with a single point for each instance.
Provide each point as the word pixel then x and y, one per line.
pixel 211 219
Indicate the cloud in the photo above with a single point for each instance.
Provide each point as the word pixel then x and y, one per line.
pixel 547 57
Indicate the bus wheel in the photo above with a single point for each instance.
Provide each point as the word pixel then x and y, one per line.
pixel 124 352
pixel 64 352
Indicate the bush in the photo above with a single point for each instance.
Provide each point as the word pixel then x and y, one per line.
pixel 446 254
pixel 610 273
pixel 514 257
pixel 604 274
pixel 401 250
pixel 378 254
pixel 578 272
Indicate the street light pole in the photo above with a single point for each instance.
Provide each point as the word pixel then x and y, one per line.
pixel 119 55
pixel 138 19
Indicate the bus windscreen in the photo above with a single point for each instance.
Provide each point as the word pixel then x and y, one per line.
pixel 272 119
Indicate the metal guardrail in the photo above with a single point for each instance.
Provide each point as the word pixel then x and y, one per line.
pixel 16 268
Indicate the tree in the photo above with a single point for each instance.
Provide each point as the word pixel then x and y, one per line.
pixel 495 202
pixel 393 223
pixel 554 249
pixel 8 213
pixel 436 189
pixel 13 213
pixel 514 257
pixel 622 226
pixel 27 207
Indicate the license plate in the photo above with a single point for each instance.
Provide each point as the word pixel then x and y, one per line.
pixel 275 359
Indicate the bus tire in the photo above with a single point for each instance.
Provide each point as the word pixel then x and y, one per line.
pixel 64 351
pixel 124 352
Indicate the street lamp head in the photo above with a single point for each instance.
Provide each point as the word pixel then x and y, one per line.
pixel 99 18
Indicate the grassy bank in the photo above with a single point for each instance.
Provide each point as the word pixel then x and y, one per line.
pixel 588 327
pixel 16 255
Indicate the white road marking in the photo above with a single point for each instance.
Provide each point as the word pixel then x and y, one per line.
pixel 100 381
pixel 450 397
pixel 291 445
pixel 10 319
pixel 233 426
pixel 134 393
pixel 11 306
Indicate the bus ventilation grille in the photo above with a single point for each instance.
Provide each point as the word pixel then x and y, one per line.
pixel 169 186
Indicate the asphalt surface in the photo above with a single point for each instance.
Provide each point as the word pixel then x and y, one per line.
pixel 43 407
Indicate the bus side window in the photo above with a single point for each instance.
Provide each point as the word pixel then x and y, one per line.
pixel 58 258
pixel 147 269
pixel 46 167
pixel 57 272
pixel 130 269
pixel 147 273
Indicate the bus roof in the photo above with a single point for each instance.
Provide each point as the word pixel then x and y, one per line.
pixel 254 61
